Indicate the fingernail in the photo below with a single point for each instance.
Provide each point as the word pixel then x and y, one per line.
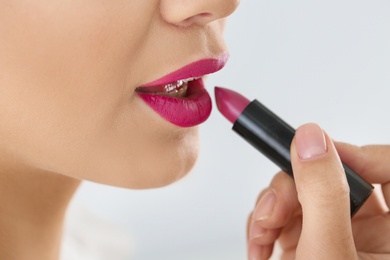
pixel 256 231
pixel 310 141
pixel 265 206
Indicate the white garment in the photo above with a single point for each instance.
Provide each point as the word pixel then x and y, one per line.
pixel 88 237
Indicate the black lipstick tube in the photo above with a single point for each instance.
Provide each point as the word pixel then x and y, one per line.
pixel 272 136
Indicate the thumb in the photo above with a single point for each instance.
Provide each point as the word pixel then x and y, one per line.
pixel 324 196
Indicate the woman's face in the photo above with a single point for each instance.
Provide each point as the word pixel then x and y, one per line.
pixel 68 77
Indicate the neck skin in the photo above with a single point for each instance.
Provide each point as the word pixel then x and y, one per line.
pixel 33 204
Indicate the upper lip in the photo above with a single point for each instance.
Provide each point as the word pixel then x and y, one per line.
pixel 193 70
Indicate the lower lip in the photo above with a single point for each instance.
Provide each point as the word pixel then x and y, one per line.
pixel 272 136
pixel 187 111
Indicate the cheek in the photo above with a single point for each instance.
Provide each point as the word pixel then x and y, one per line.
pixel 66 111
pixel 66 43
pixel 61 72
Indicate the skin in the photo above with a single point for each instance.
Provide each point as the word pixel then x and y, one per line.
pixel 68 111
pixel 68 74
pixel 309 218
pixel 68 71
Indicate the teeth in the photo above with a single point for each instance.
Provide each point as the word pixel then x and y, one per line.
pixel 174 89
pixel 172 86
pixel 190 79
pixel 177 89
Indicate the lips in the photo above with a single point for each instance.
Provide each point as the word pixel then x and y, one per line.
pixel 180 97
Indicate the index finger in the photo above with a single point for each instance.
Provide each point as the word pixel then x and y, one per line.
pixel 371 162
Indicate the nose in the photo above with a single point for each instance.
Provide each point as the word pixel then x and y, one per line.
pixel 185 13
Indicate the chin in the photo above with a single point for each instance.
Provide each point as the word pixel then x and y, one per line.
pixel 169 163
pixel 166 171
pixel 152 167
pixel 164 176
pixel 152 175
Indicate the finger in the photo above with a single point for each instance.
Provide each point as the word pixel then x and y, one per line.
pixel 371 234
pixel 324 196
pixel 277 204
pixel 373 206
pixel 289 237
pixel 248 224
pixel 258 252
pixel 288 255
pixel 370 162
pixel 262 236
pixel 259 235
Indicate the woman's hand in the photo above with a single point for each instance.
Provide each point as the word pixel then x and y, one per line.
pixel 310 218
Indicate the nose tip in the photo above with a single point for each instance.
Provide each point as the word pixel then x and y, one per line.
pixel 200 12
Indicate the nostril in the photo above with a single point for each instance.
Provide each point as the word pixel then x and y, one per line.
pixel 204 15
pixel 199 19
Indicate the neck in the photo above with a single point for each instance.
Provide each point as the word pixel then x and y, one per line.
pixel 32 209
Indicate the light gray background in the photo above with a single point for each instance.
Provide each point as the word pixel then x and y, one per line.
pixel 322 61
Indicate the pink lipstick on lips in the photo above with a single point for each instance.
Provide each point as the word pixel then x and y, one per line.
pixel 180 96
pixel 272 136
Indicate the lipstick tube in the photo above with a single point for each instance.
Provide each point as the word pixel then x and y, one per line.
pixel 272 136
